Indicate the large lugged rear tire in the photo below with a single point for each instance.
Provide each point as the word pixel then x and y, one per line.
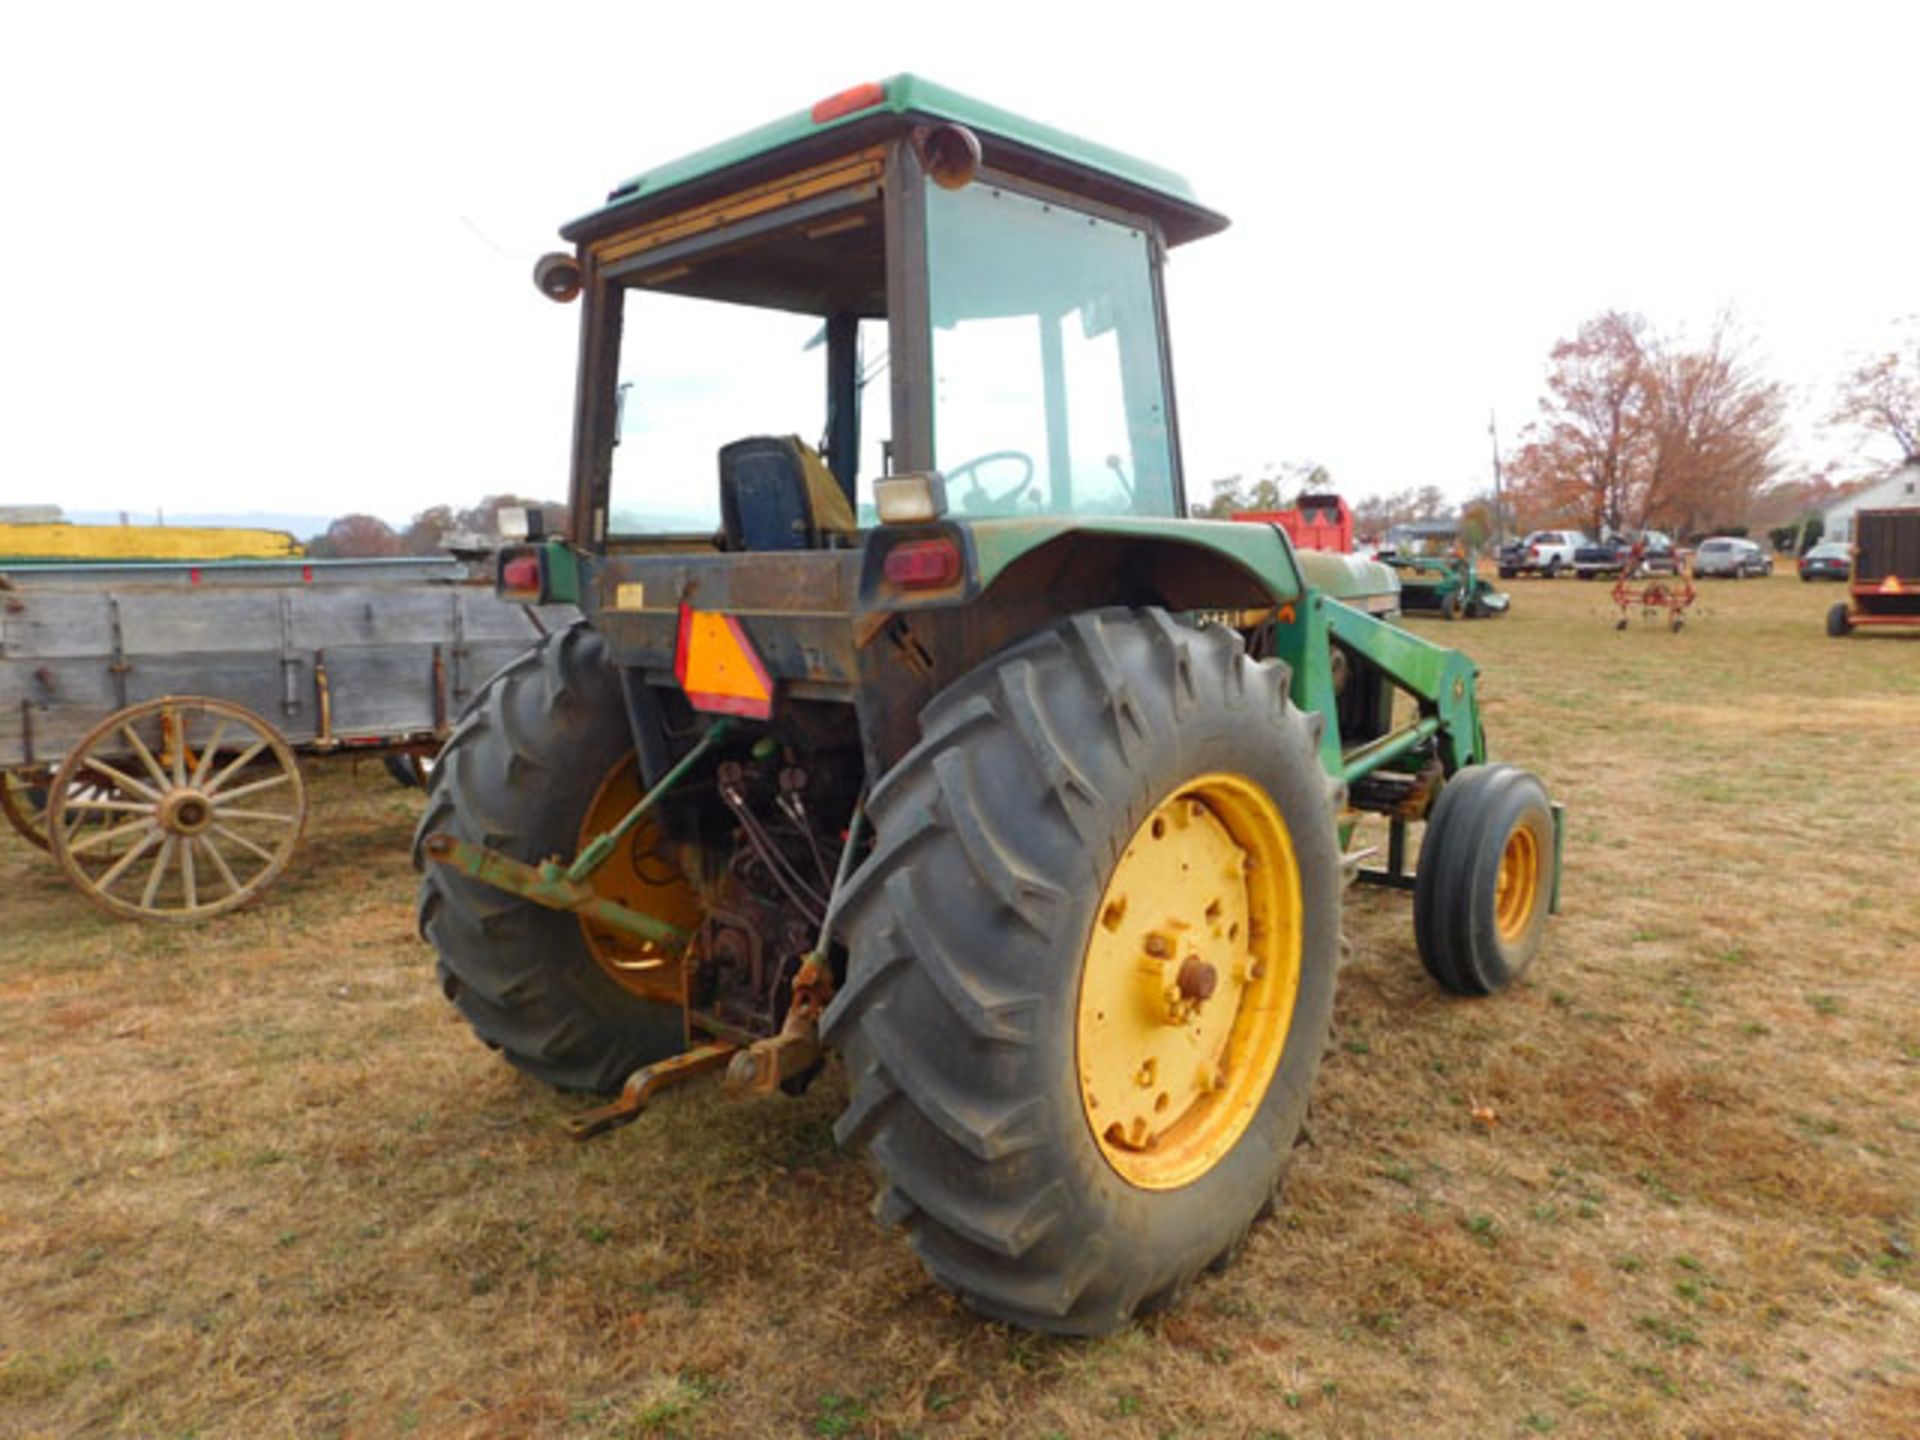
pixel 1023 921
pixel 520 774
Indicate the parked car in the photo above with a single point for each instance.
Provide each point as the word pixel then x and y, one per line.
pixel 1731 557
pixel 1611 557
pixel 1829 560
pixel 1544 552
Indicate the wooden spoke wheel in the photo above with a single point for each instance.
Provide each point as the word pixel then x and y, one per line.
pixel 411 769
pixel 23 800
pixel 177 809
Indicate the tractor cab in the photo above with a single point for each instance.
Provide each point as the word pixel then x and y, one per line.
pixel 897 282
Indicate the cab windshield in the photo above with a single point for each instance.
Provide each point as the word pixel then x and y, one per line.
pixel 1049 395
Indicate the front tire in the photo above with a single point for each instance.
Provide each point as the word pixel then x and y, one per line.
pixel 1839 622
pixel 1002 958
pixel 1485 879
pixel 530 764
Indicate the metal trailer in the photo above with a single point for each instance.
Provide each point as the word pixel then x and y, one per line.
pixel 153 716
pixel 1884 586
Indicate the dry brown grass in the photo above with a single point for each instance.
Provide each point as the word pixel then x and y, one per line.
pixel 257 1178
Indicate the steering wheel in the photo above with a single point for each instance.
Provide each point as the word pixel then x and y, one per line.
pixel 978 498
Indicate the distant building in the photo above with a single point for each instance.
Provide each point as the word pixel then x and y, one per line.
pixel 1894 491
pixel 1417 534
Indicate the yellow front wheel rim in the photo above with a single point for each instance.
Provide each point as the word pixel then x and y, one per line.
pixel 1517 890
pixel 1188 983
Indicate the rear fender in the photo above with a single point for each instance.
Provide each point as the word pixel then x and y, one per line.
pixel 1023 576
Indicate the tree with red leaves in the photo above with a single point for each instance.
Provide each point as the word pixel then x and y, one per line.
pixel 1587 454
pixel 1637 433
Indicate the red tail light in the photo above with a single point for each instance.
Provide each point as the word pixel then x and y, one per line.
pixel 519 575
pixel 923 564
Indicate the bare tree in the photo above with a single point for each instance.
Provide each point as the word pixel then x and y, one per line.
pixel 1278 487
pixel 1882 395
pixel 1377 514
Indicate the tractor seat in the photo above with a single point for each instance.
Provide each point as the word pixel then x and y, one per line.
pixel 776 493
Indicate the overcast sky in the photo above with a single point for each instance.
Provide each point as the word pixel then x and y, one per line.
pixel 277 257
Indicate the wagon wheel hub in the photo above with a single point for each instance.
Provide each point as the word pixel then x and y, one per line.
pixel 186 812
pixel 1188 982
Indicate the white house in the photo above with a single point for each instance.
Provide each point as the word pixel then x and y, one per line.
pixel 1895 491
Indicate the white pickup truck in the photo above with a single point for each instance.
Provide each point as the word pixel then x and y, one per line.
pixel 1544 552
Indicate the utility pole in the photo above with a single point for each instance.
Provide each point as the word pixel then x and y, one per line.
pixel 1499 501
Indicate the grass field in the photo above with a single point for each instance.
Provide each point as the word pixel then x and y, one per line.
pixel 258 1179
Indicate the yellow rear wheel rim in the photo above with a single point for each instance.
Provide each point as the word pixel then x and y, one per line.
pixel 1517 890
pixel 1188 983
pixel 642 875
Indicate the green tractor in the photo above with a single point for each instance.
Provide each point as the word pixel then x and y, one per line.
pixel 947 743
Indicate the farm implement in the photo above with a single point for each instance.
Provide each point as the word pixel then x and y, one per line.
pixel 1447 585
pixel 1654 598
pixel 1883 589
pixel 948 745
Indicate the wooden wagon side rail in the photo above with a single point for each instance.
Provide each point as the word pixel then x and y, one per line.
pixel 139 720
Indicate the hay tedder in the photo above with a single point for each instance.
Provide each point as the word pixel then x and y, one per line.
pixel 1665 598
pixel 947 744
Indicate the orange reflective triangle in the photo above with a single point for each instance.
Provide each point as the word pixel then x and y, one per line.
pixel 716 665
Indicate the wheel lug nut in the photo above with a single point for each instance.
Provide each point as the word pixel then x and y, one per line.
pixel 1158 947
pixel 1197 979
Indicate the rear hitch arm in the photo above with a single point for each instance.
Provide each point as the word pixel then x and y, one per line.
pixel 567 887
pixel 643 1084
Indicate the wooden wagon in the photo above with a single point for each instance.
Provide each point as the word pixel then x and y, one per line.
pixel 153 717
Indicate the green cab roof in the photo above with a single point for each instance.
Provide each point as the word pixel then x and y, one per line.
pixel 887 107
